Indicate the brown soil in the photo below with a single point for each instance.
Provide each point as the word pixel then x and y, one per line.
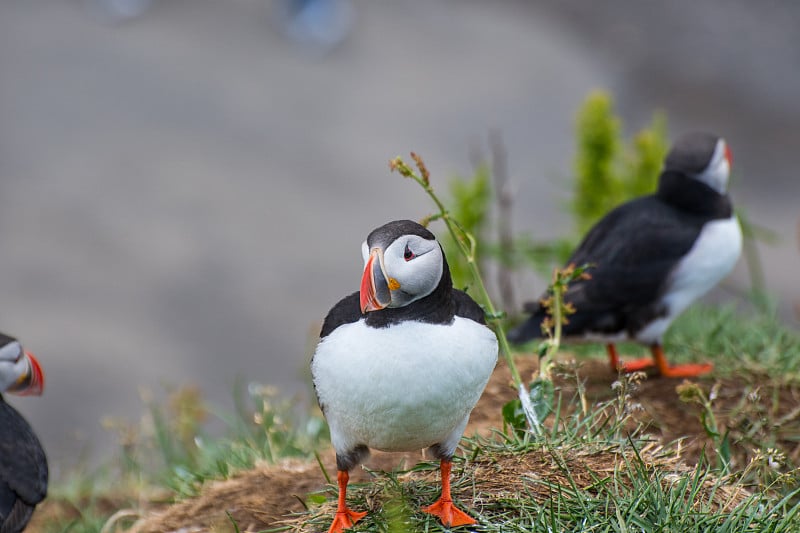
pixel 268 495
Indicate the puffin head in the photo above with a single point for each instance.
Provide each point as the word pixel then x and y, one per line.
pixel 20 372
pixel 403 262
pixel 702 156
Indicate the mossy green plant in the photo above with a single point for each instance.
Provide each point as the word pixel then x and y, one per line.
pixel 609 171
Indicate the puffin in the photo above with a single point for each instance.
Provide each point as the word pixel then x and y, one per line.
pixel 23 464
pixel 402 362
pixel 651 257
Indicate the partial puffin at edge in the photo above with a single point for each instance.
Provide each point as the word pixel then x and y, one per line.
pixel 651 257
pixel 23 464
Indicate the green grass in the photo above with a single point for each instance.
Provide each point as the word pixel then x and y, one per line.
pixel 755 342
pixel 737 342
pixel 651 500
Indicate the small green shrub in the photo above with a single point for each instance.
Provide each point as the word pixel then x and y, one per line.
pixel 607 170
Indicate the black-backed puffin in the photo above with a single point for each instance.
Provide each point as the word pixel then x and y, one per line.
pixel 401 363
pixel 23 465
pixel 653 256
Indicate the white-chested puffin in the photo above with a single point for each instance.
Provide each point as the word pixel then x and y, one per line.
pixel 401 363
pixel 653 256
pixel 23 465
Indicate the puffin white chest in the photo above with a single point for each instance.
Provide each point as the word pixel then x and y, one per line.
pixel 711 258
pixel 403 387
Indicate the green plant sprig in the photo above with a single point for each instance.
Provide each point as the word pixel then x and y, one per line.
pixel 691 392
pixel 466 244
pixel 557 312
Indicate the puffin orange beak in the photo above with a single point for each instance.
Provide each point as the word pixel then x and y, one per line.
pixel 728 155
pixel 375 293
pixel 31 383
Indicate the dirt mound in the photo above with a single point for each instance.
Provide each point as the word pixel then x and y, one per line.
pixel 254 499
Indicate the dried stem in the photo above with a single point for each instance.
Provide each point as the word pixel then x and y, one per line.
pixel 504 203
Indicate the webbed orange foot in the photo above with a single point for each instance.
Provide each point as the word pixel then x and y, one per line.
pixel 449 514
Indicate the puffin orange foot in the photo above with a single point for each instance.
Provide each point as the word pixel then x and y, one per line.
pixel 637 365
pixel 345 520
pixel 686 371
pixel 449 514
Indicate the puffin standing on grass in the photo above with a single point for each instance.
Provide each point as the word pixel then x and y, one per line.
pixel 653 256
pixel 401 363
pixel 23 465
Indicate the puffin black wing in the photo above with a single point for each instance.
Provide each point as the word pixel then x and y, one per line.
pixel 346 311
pixel 23 470
pixel 631 252
pixel 466 307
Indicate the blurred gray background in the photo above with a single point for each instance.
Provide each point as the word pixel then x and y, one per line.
pixel 185 184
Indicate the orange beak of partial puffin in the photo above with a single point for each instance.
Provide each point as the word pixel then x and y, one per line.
pixel 31 383
pixel 375 293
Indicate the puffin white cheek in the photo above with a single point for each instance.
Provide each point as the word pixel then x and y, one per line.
pixel 11 351
pixel 724 175
pixel 421 275
pixel 717 177
pixel 718 173
pixel 365 252
pixel 8 374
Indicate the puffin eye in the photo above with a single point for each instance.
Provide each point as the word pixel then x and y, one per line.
pixel 408 255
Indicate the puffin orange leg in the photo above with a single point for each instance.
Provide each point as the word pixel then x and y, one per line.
pixel 630 366
pixel 345 517
pixel 678 371
pixel 444 508
pixel 613 357
pixel 637 365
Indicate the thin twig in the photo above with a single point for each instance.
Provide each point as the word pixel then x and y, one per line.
pixel 122 514
pixel 504 204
